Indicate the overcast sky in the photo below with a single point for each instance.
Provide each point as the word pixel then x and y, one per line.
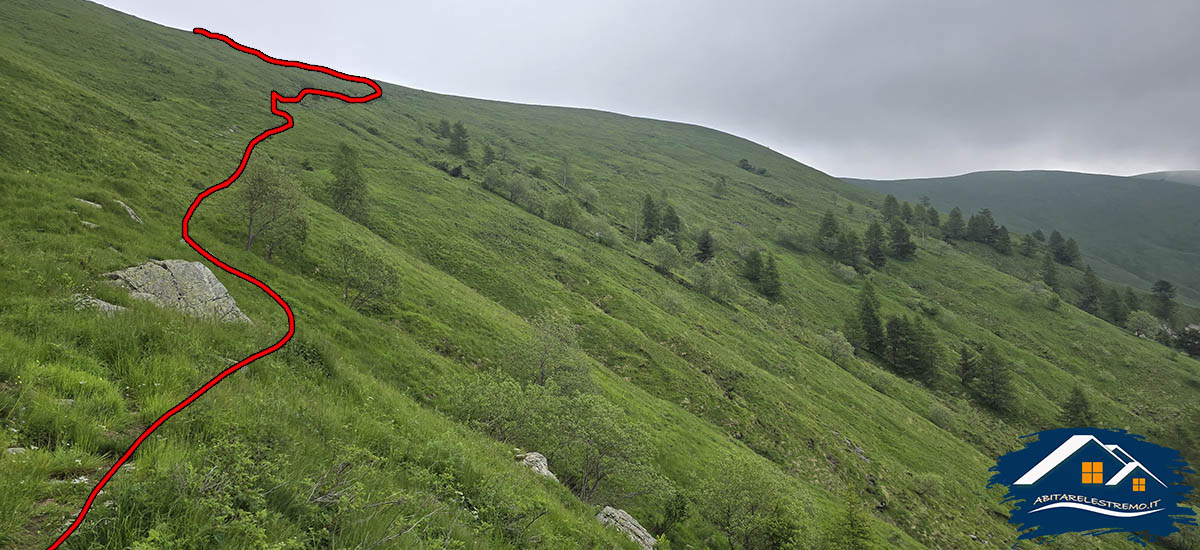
pixel 879 89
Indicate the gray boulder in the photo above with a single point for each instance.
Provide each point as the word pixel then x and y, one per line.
pixel 626 524
pixel 181 285
pixel 83 302
pixel 130 211
pixel 538 463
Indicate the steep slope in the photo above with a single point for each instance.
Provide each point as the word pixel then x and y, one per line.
pixel 357 434
pixel 1132 230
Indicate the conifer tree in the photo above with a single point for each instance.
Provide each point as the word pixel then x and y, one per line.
pixel 1132 302
pixel 670 224
pixel 459 143
pixel 993 384
pixel 1089 292
pixel 1077 411
pixel 1028 246
pixel 981 228
pixel 875 246
pixel 827 233
pixel 489 155
pixel 1074 258
pixel 849 250
pixel 901 242
pixel 1037 234
pixel 1003 242
pixel 349 186
pixel 891 207
pixel 754 266
pixel 1058 248
pixel 706 247
pixel 870 324
pixel 852 530
pixel 935 218
pixel 906 212
pixel 769 280
pixel 443 129
pixel 651 222
pixel 1050 272
pixel 966 365
pixel 1115 308
pixel 954 228
pixel 1164 300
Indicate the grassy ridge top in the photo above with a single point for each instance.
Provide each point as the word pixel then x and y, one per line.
pixel 101 106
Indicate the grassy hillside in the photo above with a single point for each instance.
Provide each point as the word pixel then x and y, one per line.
pixel 395 425
pixel 1132 230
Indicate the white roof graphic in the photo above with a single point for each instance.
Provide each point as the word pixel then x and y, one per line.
pixel 1073 444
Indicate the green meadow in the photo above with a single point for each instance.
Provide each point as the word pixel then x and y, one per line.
pixel 670 388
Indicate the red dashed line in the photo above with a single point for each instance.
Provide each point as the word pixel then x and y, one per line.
pixel 276 99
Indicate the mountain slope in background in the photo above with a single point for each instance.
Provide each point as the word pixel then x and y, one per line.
pixel 1132 230
pixel 1190 177
pixel 395 426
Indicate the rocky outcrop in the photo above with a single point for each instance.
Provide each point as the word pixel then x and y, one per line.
pixel 626 524
pixel 538 463
pixel 83 302
pixel 89 203
pixel 181 285
pixel 129 211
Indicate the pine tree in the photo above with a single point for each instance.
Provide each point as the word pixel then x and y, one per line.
pixel 1074 258
pixel 706 247
pixel 852 531
pixel 769 283
pixel 827 233
pixel 1058 248
pixel 891 207
pixel 1003 242
pixel 349 186
pixel 1028 246
pixel 459 143
pixel 849 250
pixel 935 218
pixel 993 384
pixel 1077 411
pixel 901 242
pixel 1089 292
pixel 489 155
pixel 650 219
pixel 1037 234
pixel 1132 302
pixel 670 224
pixel 1050 272
pixel 875 246
pixel 754 266
pixel 873 339
pixel 981 228
pixel 1115 308
pixel 1164 300
pixel 966 365
pixel 906 212
pixel 954 228
pixel 443 129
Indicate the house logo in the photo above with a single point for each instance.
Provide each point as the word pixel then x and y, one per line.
pixel 1092 481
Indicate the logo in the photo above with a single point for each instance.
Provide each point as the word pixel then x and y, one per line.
pixel 1093 481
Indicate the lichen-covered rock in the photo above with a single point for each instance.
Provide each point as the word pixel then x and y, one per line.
pixel 538 463
pixel 181 285
pixel 626 524
pixel 83 302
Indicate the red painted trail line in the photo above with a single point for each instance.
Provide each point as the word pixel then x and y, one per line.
pixel 276 99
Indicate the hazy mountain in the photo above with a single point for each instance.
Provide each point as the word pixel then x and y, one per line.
pixel 1190 177
pixel 1132 230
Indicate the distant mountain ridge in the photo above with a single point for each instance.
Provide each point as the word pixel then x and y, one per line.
pixel 1190 177
pixel 1133 230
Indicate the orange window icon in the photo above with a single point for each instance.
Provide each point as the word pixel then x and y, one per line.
pixel 1093 472
pixel 1139 484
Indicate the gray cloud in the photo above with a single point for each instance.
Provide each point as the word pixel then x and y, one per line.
pixel 878 89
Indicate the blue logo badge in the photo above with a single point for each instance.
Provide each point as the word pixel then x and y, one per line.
pixel 1093 481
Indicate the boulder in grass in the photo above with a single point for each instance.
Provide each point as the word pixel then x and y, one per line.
pixel 189 287
pixel 625 523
